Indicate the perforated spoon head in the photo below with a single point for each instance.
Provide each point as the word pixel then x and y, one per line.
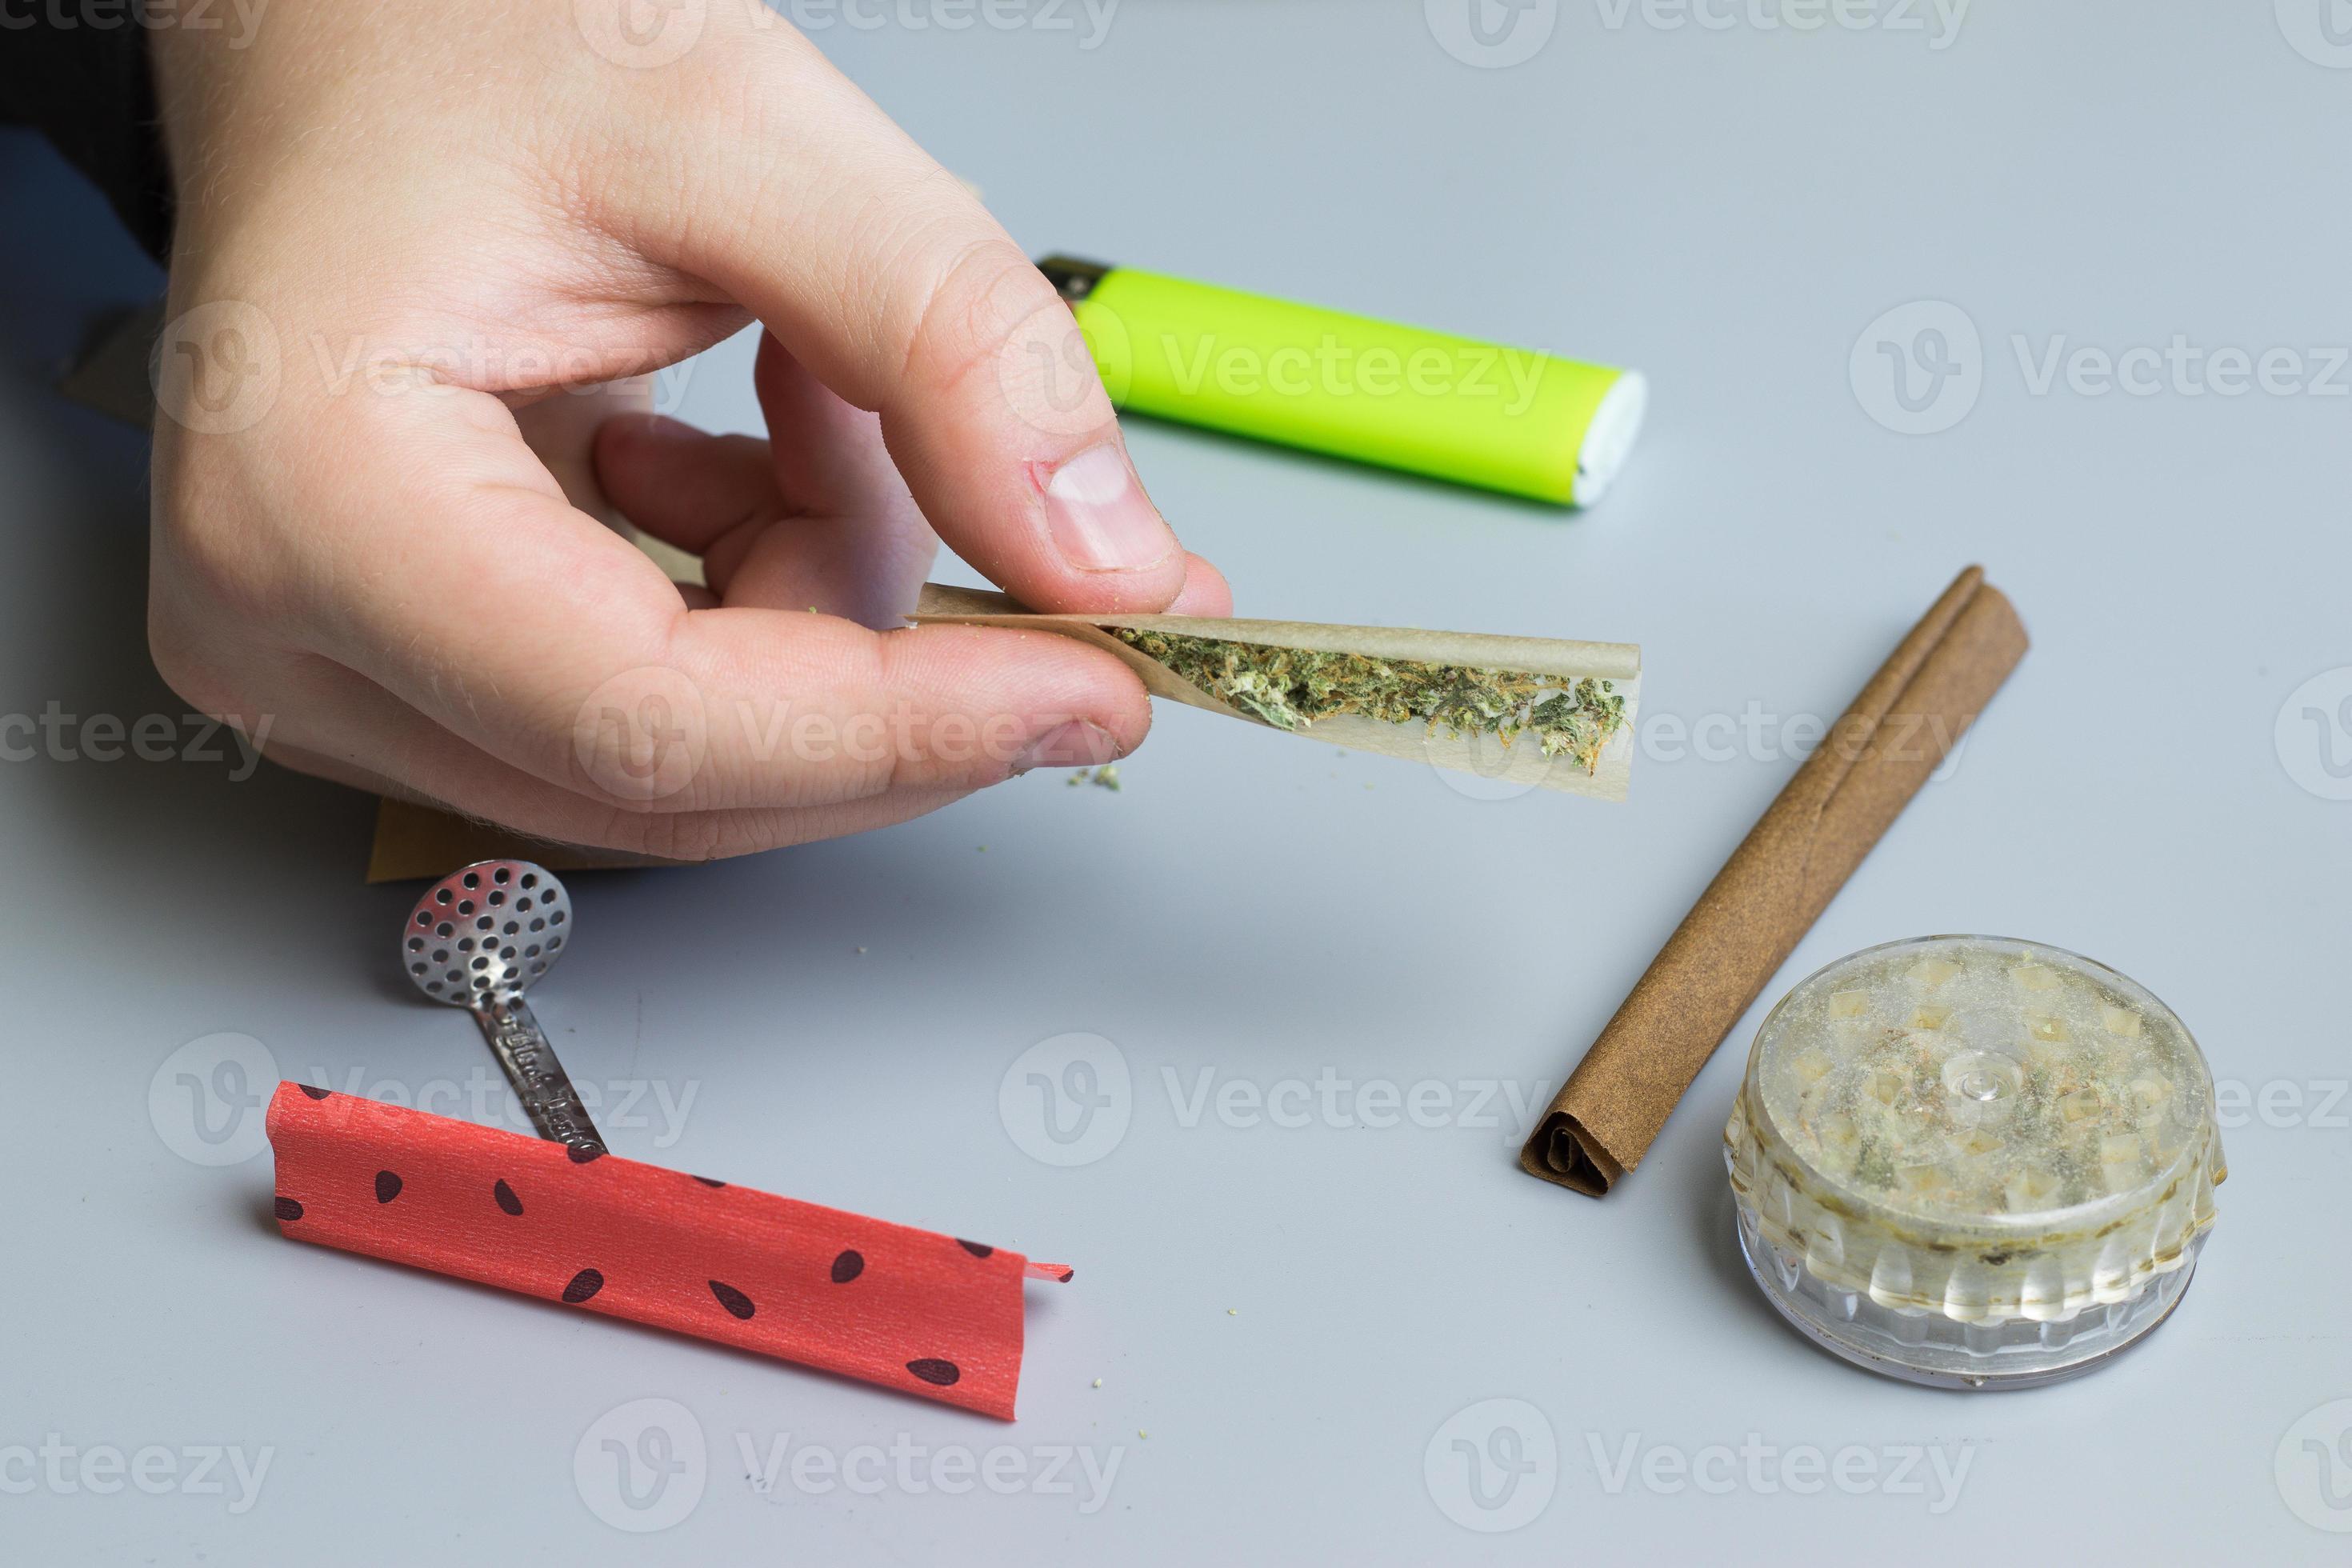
pixel 485 933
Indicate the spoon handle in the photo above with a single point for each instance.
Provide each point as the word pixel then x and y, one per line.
pixel 539 1079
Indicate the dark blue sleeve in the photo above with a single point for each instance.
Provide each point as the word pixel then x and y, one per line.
pixel 79 75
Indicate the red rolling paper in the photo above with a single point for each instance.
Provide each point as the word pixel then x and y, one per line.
pixel 910 1309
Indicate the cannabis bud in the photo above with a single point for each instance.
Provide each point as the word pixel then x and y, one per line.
pixel 1290 689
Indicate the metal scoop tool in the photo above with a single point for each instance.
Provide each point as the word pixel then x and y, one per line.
pixel 478 939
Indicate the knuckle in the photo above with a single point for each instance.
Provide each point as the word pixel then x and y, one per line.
pixel 970 308
pixel 198 680
pixel 210 552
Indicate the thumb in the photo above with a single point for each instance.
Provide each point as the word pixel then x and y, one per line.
pixel 884 276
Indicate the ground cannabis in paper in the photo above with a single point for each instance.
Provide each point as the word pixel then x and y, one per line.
pixel 1290 689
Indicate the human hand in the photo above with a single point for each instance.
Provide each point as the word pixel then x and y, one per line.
pixel 408 234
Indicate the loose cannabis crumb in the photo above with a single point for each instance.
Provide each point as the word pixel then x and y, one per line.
pixel 1291 688
pixel 1105 777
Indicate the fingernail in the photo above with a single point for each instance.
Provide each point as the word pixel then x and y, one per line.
pixel 1100 519
pixel 1073 744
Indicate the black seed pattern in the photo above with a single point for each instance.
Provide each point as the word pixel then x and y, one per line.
pixel 975 1248
pixel 584 1284
pixel 580 1154
pixel 507 1199
pixel 709 1183
pixel 289 1209
pixel 732 1298
pixel 933 1371
pixel 1066 1276
pixel 313 1093
pixel 387 1186
pixel 848 1267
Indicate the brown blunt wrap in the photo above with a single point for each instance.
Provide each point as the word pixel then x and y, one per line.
pixel 1776 885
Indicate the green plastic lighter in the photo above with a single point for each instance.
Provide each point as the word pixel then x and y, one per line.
pixel 1501 418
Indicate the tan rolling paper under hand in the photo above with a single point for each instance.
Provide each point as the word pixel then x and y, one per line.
pixel 1793 862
